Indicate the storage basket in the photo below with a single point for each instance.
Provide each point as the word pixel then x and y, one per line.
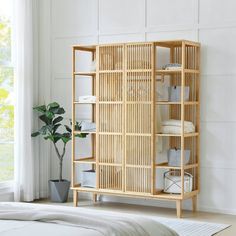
pixel 174 157
pixel 172 182
pixel 174 93
pixel 89 178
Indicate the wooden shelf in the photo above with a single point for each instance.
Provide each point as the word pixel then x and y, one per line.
pixel 84 132
pixel 138 166
pixel 177 103
pixel 191 71
pixel 160 194
pixel 139 70
pixel 84 189
pixel 92 103
pixel 177 135
pixel 125 102
pixel 109 164
pixel 85 160
pixel 139 102
pixel 109 133
pixel 91 73
pixel 167 72
pixel 110 71
pixel 138 134
pixel 87 48
pixel 110 102
pixel 177 71
pixel 165 166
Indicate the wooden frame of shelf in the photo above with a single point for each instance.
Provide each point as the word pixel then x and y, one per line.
pixel 124 143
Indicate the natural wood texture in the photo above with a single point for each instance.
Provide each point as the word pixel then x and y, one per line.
pixel 194 203
pixel 179 208
pixel 75 198
pixel 95 197
pixel 125 83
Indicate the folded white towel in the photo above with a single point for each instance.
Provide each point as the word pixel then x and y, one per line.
pixel 87 98
pixel 175 130
pixel 173 122
pixel 88 126
pixel 174 126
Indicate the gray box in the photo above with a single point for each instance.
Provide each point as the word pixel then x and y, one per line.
pixel 174 157
pixel 174 93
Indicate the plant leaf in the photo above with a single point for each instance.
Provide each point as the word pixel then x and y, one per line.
pixel 40 108
pixel 78 125
pixel 45 119
pixel 83 135
pixel 55 127
pixel 56 137
pixel 53 105
pixel 60 111
pixel 35 134
pixel 49 114
pixel 58 119
pixel 43 130
pixel 68 128
pixel 50 137
pixel 66 137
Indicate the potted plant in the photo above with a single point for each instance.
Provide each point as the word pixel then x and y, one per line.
pixel 51 116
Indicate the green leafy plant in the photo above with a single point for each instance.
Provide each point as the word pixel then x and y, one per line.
pixel 51 116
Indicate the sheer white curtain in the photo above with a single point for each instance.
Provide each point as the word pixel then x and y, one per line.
pixel 27 163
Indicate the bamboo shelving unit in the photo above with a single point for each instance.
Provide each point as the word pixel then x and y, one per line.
pixel 124 153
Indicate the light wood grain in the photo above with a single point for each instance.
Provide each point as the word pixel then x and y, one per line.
pixel 124 143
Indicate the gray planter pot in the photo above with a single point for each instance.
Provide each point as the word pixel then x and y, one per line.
pixel 59 190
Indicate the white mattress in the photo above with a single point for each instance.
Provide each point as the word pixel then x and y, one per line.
pixel 42 220
pixel 34 228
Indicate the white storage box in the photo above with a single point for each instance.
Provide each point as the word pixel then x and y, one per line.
pixel 89 179
pixel 172 182
pixel 175 93
pixel 174 157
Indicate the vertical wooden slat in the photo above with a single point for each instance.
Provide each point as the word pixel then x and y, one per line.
pixel 182 117
pixel 124 117
pixel 73 123
pixel 198 116
pixel 97 117
pixel 153 121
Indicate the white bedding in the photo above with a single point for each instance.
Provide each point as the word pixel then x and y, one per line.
pixel 37 220
pixel 174 127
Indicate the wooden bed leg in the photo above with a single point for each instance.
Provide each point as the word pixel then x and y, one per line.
pixel 194 203
pixel 179 208
pixel 94 198
pixel 75 198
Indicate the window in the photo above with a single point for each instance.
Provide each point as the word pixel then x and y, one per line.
pixel 6 94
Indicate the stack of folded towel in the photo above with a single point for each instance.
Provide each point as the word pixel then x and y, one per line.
pixel 172 66
pixel 174 127
pixel 88 126
pixel 87 99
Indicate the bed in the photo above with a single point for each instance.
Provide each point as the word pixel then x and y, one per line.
pixel 42 220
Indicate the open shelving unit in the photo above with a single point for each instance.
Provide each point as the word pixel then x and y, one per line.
pixel 124 153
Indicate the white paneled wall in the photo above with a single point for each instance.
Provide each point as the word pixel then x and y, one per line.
pixel 212 22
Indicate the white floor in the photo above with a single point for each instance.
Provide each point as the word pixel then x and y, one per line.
pixel 162 212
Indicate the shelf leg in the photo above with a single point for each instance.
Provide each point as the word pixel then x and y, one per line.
pixel 194 203
pixel 179 208
pixel 94 198
pixel 75 198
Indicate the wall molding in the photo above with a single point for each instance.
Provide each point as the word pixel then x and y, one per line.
pixel 152 29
